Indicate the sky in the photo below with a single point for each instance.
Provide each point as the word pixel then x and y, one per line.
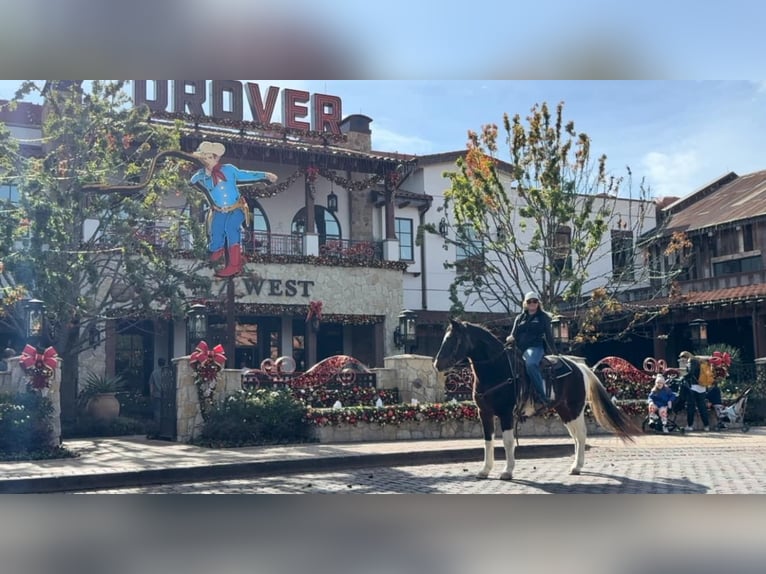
pixel 677 135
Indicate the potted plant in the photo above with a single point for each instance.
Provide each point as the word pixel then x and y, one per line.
pixel 98 396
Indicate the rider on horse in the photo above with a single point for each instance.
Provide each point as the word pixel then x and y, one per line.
pixel 533 335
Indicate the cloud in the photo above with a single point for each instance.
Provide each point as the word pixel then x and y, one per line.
pixel 672 174
pixel 383 139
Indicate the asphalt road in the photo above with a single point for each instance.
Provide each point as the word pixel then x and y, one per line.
pixel 731 462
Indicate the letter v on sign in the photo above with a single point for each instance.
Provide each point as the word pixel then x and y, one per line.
pixel 261 113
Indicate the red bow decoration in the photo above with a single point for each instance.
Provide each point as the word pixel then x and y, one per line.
pixel 207 362
pixel 203 355
pixel 39 366
pixel 720 359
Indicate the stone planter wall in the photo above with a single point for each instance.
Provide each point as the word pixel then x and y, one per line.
pixel 14 381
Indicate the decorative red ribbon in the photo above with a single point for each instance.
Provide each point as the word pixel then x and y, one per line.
pixel 720 358
pixel 217 174
pixel 204 355
pixel 31 358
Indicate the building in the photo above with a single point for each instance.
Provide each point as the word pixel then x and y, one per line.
pixel 340 228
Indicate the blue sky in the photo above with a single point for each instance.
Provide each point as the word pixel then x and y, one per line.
pixel 679 135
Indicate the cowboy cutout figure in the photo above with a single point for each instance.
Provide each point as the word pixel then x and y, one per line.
pixel 228 209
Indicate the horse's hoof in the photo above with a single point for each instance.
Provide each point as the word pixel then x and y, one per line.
pixel 574 471
pixel 482 475
pixel 506 476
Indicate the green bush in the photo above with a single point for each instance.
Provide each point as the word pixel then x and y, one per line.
pixel 25 425
pixel 254 418
pixel 86 426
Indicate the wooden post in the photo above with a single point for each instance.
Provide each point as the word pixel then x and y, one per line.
pixel 231 325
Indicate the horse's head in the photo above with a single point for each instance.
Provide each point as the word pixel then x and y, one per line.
pixel 463 341
pixel 453 348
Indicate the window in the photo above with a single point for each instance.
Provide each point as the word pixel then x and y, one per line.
pixel 747 238
pixel 562 250
pixel 327 225
pixel 622 255
pixel 737 266
pixel 470 246
pixel 9 193
pixel 404 235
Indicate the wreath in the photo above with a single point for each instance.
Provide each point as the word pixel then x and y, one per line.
pixel 206 364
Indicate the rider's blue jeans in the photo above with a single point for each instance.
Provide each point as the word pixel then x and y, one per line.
pixel 532 357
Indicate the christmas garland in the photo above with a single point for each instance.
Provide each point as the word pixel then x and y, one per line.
pixel 206 364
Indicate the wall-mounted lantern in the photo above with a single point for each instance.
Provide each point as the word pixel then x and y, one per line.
pixel 698 329
pixel 443 227
pixel 332 200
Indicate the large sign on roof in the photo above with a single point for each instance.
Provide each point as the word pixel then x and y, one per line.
pixel 224 99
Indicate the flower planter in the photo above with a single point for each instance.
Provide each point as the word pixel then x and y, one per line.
pixel 104 406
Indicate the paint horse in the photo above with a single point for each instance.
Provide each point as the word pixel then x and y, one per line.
pixel 499 392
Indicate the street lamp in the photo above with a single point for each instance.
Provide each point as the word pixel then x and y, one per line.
pixel 34 321
pixel 698 332
pixel 405 334
pixel 196 326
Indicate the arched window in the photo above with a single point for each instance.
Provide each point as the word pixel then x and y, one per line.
pixel 256 237
pixel 327 225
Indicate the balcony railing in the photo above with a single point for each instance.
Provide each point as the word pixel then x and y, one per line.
pixel 259 243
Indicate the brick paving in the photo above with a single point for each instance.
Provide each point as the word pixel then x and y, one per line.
pixel 731 462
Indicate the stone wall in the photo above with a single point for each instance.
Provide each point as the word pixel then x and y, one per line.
pixel 532 427
pixel 14 381
pixel 414 376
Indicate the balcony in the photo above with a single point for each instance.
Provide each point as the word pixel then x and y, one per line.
pixel 725 281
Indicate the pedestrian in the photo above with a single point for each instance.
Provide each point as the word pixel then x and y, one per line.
pixel 155 387
pixel 7 354
pixel 695 400
pixel 533 335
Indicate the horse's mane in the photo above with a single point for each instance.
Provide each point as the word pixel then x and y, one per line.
pixel 483 332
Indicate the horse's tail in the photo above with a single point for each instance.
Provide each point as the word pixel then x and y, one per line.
pixel 606 413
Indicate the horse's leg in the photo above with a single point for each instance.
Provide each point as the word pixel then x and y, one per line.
pixel 488 426
pixel 578 431
pixel 506 424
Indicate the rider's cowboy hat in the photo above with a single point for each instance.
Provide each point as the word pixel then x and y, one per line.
pixel 211 147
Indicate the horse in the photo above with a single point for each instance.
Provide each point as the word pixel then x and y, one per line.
pixel 499 392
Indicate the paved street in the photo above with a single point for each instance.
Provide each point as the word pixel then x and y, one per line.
pixel 700 463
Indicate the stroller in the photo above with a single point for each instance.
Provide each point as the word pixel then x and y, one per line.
pixel 734 413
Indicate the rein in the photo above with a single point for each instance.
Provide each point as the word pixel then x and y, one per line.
pixel 509 381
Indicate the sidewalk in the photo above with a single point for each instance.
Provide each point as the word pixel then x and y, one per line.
pixel 134 461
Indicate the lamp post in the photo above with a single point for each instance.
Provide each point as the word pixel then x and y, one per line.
pixel 405 334
pixel 34 321
pixel 196 326
pixel 698 329
pixel 560 328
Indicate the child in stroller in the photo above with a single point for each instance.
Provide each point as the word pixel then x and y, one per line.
pixel 734 413
pixel 660 402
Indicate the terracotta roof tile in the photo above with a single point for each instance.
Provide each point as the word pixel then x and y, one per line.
pixel 729 295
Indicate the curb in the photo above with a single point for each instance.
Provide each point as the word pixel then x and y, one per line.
pixel 212 472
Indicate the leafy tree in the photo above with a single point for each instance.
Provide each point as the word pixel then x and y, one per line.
pixel 542 221
pixel 95 256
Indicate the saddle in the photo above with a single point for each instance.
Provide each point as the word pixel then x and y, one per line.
pixel 552 367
